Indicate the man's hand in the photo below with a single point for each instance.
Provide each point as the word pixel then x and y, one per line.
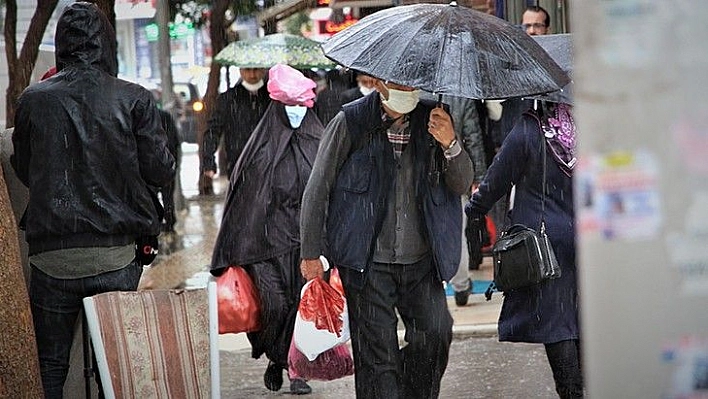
pixel 209 173
pixel 440 126
pixel 311 268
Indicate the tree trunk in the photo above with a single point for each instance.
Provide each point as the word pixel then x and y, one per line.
pixel 19 364
pixel 164 54
pixel 217 33
pixel 20 68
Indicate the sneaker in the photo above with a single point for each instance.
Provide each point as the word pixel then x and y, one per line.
pixel 461 297
pixel 273 377
pixel 299 387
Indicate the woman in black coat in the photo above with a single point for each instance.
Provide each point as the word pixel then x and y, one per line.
pixel 260 229
pixel 546 313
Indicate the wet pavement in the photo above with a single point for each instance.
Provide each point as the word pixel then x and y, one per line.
pixel 479 366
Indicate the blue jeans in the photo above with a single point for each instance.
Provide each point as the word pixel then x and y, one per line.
pixel 56 305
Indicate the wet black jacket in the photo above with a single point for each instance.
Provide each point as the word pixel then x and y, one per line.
pixel 87 144
pixel 237 113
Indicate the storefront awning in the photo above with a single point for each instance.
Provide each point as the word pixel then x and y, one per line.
pixel 132 9
pixel 284 9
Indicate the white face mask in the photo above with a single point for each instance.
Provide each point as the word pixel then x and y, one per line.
pixel 253 87
pixel 401 101
pixel 365 90
pixel 295 113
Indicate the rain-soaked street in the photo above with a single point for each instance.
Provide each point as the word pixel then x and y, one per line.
pixel 479 366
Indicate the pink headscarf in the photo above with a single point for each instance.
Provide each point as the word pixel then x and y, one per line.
pixel 289 86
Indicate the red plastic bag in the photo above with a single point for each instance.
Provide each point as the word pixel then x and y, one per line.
pixel 238 302
pixel 323 305
pixel 329 365
pixel 492 231
pixel 336 282
pixel 322 320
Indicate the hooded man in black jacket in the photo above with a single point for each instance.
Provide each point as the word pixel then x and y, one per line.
pixel 87 145
pixel 260 227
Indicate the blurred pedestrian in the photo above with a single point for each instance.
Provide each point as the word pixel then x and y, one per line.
pixel 238 110
pixel 167 192
pixel 535 20
pixel 86 145
pixel 385 191
pixel 329 97
pixel 260 227
pixel 364 86
pixel 545 313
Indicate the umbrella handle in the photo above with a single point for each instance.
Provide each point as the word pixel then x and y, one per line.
pixel 439 103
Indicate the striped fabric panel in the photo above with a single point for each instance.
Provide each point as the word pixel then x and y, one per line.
pixel 156 342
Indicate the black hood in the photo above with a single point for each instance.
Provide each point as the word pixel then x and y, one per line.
pixel 84 36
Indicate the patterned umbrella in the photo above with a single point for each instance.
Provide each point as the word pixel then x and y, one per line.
pixel 278 48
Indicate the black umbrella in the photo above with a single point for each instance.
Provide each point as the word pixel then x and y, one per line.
pixel 560 48
pixel 446 49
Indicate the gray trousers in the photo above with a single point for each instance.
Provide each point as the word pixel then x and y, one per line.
pixel 461 280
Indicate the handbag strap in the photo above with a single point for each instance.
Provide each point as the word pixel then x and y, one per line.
pixel 543 179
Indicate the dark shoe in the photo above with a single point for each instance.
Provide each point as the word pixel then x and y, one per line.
pixel 273 377
pixel 299 387
pixel 461 297
pixel 474 264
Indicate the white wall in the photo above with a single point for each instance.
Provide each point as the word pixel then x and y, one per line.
pixel 642 196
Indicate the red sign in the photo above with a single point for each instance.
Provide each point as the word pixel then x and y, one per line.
pixel 333 27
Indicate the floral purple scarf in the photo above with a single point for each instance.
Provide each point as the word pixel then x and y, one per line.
pixel 559 130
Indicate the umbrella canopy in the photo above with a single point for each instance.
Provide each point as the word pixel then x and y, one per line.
pixel 560 48
pixel 446 49
pixel 279 48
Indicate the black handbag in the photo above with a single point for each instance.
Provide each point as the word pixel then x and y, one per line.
pixel 523 256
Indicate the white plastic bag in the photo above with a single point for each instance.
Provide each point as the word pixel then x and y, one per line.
pixel 322 320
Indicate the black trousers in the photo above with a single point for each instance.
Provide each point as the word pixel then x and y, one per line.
pixel 565 361
pixel 383 370
pixel 279 282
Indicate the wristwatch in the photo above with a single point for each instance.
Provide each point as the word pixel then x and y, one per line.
pixel 452 144
pixel 453 150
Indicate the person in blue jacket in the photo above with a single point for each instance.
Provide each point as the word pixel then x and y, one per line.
pixel 546 313
pixel 384 194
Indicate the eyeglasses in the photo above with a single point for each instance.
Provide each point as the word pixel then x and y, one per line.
pixel 536 26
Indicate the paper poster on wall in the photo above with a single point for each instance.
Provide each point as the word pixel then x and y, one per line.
pixel 688 249
pixel 629 39
pixel 691 137
pixel 688 360
pixel 619 196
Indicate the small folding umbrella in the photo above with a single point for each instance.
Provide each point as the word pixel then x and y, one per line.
pixel 279 48
pixel 446 49
pixel 560 48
